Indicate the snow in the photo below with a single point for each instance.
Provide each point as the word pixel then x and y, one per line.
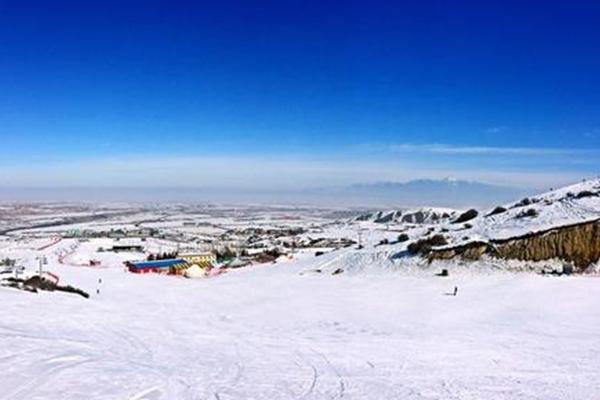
pixel 270 332
pixel 554 209
pixel 421 215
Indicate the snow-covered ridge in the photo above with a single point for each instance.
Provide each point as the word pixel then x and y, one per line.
pixel 566 206
pixel 423 215
pixel 559 224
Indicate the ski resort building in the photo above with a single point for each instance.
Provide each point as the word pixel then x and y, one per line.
pixel 128 248
pixel 174 266
pixel 200 259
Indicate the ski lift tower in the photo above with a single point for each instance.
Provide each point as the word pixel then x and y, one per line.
pixel 40 260
pixel 360 245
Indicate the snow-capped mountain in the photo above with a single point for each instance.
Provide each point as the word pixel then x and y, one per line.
pixel 442 193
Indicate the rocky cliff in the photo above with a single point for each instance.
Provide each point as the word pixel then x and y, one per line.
pixel 578 243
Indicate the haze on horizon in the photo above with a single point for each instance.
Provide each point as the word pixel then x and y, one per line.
pixel 288 96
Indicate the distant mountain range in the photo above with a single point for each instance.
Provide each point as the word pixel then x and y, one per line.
pixel 429 192
pixel 416 193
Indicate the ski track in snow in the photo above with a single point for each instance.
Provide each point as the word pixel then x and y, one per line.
pixel 271 333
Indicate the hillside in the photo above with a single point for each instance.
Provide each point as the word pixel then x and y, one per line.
pixel 562 224
pixel 566 206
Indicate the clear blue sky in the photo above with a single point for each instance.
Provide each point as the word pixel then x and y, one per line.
pixel 463 88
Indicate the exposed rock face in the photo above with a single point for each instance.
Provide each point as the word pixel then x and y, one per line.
pixel 579 244
pixel 469 251
pixel 423 246
pixel 415 218
pixel 425 215
pixel 389 217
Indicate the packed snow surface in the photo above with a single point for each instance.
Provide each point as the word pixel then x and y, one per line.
pixel 278 332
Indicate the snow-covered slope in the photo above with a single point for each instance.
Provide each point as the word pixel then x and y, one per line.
pixel 501 231
pixel 268 332
pixel 569 205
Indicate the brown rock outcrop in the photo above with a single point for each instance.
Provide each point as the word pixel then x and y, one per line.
pixel 577 243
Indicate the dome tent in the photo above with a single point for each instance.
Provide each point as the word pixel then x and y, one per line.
pixel 195 272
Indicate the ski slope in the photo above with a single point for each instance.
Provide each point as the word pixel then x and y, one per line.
pixel 270 332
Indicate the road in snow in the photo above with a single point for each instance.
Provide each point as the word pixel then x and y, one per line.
pixel 271 333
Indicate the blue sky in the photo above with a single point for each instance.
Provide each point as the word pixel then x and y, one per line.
pixel 298 92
